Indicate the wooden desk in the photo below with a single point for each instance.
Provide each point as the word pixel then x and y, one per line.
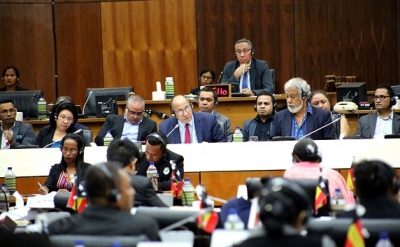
pixel 93 123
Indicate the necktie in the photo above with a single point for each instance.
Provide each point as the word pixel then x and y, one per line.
pixel 187 134
pixel 245 81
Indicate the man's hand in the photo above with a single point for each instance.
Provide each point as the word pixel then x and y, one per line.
pixel 248 92
pixel 9 136
pixel 243 68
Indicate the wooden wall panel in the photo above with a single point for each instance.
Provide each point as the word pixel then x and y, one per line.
pixel 79 53
pixel 146 41
pixel 26 41
pixel 345 37
pixel 268 24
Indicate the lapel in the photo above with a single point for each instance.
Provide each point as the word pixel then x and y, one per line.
pixel 372 124
pixel 310 123
pixel 287 125
pixel 396 124
pixel 140 130
pixel 198 126
pixel 16 129
pixel 175 136
pixel 252 128
pixel 120 126
pixel 253 74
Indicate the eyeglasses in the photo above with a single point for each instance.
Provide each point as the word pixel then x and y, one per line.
pixel 206 77
pixel 245 51
pixel 133 113
pixel 68 119
pixel 381 97
pixel 72 150
pixel 187 109
pixel 11 111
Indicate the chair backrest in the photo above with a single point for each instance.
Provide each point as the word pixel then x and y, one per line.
pixel 96 241
pixel 87 137
pixel 253 185
pixel 167 199
pixel 25 101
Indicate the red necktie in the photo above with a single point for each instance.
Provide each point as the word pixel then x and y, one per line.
pixel 187 134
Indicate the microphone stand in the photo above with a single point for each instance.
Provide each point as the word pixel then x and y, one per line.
pixel 186 220
pixel 5 196
pixel 312 132
pixel 29 106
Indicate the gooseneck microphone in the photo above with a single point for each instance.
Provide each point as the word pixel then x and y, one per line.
pixel 326 125
pixel 219 78
pixel 158 113
pixel 29 106
pixel 176 126
pixel 48 145
pixel 84 105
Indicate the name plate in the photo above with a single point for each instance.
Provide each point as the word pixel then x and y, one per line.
pixel 222 90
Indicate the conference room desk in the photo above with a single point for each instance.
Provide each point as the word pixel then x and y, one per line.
pixel 93 123
pixel 222 167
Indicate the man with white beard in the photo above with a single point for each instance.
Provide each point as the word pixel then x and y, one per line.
pixel 301 118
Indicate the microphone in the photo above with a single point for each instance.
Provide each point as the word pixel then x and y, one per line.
pixel 84 105
pixel 312 132
pixel 176 126
pixel 219 78
pixel 29 106
pixel 158 113
pixel 200 193
pixel 76 132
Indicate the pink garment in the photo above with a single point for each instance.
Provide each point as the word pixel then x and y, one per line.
pixel 312 170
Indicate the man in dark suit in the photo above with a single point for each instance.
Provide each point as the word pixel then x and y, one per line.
pixel 157 152
pixel 132 125
pixel 300 118
pixel 13 133
pixel 259 126
pixel 127 154
pixel 253 75
pixel 192 127
pixel 384 121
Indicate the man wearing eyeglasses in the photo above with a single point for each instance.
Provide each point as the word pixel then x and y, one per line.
pixel 188 126
pixel 132 125
pixel 13 133
pixel 253 75
pixel 384 121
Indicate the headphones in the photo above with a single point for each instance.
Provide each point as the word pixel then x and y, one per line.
pixel 157 136
pixel 58 106
pixel 114 195
pixel 83 143
pixel 172 110
pixel 282 200
pixel 304 95
pixel 274 105
pixel 215 95
pixel 392 94
pixel 244 41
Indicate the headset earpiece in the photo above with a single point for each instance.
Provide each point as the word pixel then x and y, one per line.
pixel 113 195
pixel 82 149
pixel 157 136
pixel 274 105
pixel 252 51
pixel 17 78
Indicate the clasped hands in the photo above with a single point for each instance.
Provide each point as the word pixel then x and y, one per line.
pixel 243 68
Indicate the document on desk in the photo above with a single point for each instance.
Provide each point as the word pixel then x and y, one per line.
pixel 41 201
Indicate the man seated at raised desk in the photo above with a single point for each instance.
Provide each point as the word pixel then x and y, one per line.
pixel 110 196
pixel 208 100
pixel 157 152
pixel 13 133
pixel 193 127
pixel 126 153
pixel 300 118
pixel 384 121
pixel 132 125
pixel 259 126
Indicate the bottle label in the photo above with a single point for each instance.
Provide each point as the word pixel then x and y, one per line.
pixel 237 137
pixel 169 89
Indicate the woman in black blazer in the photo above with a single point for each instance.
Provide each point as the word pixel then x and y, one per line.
pixel 61 176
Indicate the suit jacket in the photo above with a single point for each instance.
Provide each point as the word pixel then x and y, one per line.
pixel 249 127
pixel 17 88
pixel 22 134
pixel 145 193
pixel 282 124
pixel 366 125
pixel 115 123
pixel 225 124
pixel 55 171
pixel 207 128
pixel 260 76
pixel 164 168
pixel 376 208
pixel 45 135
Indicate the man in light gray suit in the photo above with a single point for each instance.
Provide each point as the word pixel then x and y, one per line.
pixel 384 121
pixel 207 100
pixel 13 133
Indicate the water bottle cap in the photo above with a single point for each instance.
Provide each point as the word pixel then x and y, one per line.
pixel 384 235
pixel 337 190
pixel 152 163
pixel 169 78
pixel 116 244
pixel 237 127
pixel 9 168
pixel 187 179
pixel 232 211
pixel 3 185
pixel 79 242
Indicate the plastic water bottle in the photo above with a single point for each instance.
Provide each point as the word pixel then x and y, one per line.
pixel 187 193
pixel 337 200
pixel 79 243
pixel 238 135
pixel 108 138
pixel 116 244
pixel 42 108
pixel 152 174
pixel 4 201
pixel 384 240
pixel 233 221
pixel 169 87
pixel 10 180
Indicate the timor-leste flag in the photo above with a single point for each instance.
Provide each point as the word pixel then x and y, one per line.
pixel 355 237
pixel 321 195
pixel 207 219
pixel 75 202
pixel 350 179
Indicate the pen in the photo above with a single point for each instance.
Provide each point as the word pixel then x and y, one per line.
pixel 40 185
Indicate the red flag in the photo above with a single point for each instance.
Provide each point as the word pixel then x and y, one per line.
pixel 207 219
pixel 76 203
pixel 355 237
pixel 321 195
pixel 176 188
pixel 350 179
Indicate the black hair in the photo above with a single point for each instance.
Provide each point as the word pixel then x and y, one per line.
pixel 56 109
pixel 307 150
pixel 13 68
pixel 266 93
pixel 208 89
pixel 154 141
pixel 79 159
pixel 206 70
pixel 98 184
pixel 374 178
pixel 388 88
pixel 313 93
pixel 122 151
pixel 5 101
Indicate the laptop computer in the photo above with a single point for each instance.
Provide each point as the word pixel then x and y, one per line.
pixel 235 90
